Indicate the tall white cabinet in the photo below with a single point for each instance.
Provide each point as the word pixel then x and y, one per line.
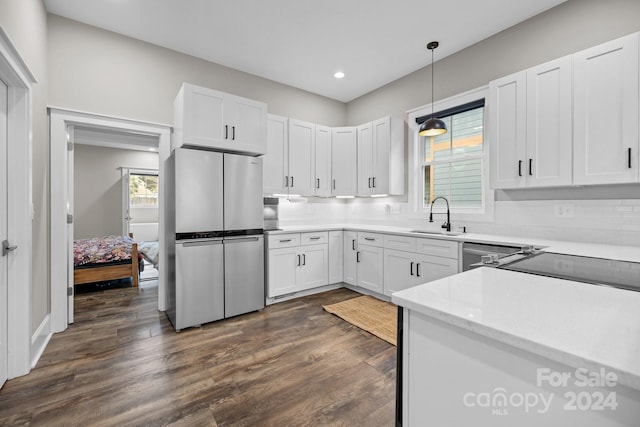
pixel 605 126
pixel 343 159
pixel 322 161
pixel 381 157
pixel 210 119
pixel 530 127
pixel 302 137
pixel 275 165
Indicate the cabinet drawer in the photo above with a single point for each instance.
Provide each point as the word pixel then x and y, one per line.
pixel 401 243
pixel 437 247
pixel 284 241
pixel 370 239
pixel 314 238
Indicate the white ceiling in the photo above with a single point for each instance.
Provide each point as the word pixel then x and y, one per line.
pixel 302 43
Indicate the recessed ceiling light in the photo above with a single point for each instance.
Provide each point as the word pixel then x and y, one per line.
pixel 339 75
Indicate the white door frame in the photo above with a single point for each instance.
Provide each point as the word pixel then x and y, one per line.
pixel 60 118
pixel 15 73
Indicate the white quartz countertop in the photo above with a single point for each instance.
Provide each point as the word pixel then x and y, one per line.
pixel 577 324
pixel 623 253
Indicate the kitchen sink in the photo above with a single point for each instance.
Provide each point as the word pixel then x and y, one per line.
pixel 438 233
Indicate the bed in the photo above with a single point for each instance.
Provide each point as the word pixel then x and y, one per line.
pixel 100 259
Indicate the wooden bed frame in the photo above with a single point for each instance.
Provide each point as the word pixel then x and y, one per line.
pixel 110 272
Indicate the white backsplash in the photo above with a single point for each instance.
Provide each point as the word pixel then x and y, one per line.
pixel 595 221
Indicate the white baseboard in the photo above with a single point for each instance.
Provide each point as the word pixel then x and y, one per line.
pixel 40 339
pixel 304 293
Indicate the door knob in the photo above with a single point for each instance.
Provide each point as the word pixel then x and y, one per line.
pixel 6 248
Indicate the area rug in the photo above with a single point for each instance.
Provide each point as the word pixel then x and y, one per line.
pixel 374 316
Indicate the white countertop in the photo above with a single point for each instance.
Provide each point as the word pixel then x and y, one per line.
pixel 573 323
pixel 623 253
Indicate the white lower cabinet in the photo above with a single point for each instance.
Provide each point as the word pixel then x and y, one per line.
pixel 350 257
pixel 336 257
pixel 297 262
pixel 432 259
pixel 370 267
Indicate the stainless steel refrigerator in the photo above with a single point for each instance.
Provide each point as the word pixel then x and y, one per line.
pixel 216 265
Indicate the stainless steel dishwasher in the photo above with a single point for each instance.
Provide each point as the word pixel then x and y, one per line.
pixel 473 252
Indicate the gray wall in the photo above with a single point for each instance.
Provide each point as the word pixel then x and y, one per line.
pixel 103 72
pixel 98 188
pixel 25 22
pixel 567 28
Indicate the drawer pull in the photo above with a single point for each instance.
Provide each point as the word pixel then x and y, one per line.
pixel 353 244
pixel 418 269
pixel 371 239
pixel 412 268
pixel 284 240
pixel 358 256
pixel 315 238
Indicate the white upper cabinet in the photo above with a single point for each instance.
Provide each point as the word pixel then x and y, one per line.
pixel 381 157
pixel 605 126
pixel 530 127
pixel 548 147
pixel 323 161
pixel 302 136
pixel 275 169
pixel 343 161
pixel 507 129
pixel 207 118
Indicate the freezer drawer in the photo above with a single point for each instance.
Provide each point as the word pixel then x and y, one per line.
pixel 243 208
pixel 244 275
pixel 199 295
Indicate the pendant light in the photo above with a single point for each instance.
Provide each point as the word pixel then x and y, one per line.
pixel 433 126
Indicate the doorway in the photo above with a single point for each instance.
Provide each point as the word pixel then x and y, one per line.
pixel 4 278
pixel 66 126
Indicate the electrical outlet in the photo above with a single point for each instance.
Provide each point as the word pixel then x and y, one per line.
pixel 564 211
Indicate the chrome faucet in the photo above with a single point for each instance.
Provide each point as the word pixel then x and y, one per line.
pixel 447 224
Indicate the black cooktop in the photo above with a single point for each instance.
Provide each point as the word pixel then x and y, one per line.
pixel 599 271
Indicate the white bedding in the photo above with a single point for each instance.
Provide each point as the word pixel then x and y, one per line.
pixel 150 250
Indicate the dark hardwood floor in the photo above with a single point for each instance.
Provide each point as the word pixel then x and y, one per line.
pixel 122 364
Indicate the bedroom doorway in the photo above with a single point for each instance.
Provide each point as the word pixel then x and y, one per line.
pixel 105 131
pixel 4 278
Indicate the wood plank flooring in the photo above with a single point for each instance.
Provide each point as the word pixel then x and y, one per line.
pixel 122 364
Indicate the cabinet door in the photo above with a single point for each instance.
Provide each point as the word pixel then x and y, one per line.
pixel 246 125
pixel 399 270
pixel 343 161
pixel 605 125
pixel 365 159
pixel 323 161
pixel 276 160
pixel 507 119
pixel 350 257
pixel 283 264
pixel 301 157
pixel 370 268
pixel 549 138
pixel 381 158
pixel 202 117
pixel 429 268
pixel 314 267
pixel 336 256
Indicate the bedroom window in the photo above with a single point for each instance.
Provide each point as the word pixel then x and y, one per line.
pixel 143 190
pixel 452 164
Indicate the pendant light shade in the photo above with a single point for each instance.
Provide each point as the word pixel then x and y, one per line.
pixel 432 126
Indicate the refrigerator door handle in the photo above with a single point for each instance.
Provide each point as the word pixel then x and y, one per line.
pixel 240 239
pixel 201 242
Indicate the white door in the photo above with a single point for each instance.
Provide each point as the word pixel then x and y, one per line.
pixel 275 164
pixel 605 124
pixel 365 160
pixel 283 264
pixel 313 271
pixel 301 157
pixel 508 103
pixel 382 150
pixel 350 257
pixel 70 289
pixel 370 268
pixel 203 119
pixel 399 270
pixel 126 202
pixel 247 121
pixel 3 233
pixel 343 161
pixel 323 161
